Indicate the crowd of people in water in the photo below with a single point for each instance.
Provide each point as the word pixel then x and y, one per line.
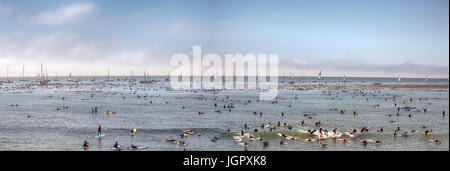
pixel 314 130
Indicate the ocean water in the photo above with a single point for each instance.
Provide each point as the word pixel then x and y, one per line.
pixel 158 115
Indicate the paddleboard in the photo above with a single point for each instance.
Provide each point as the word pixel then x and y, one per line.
pixel 139 148
pixel 98 136
pixel 115 148
pixel 408 108
pixel 237 138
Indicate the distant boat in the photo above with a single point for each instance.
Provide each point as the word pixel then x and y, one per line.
pixel 345 79
pixel 108 79
pixel 291 81
pixel 168 77
pixel 70 77
pixel 426 78
pixel 145 81
pixel 7 76
pixel 56 77
pixel 399 79
pixel 23 74
pixel 319 77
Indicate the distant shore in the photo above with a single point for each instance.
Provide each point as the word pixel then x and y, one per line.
pixel 367 86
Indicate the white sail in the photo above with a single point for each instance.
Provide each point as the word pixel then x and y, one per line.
pixel 320 75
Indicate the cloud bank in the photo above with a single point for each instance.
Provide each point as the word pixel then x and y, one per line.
pixel 64 14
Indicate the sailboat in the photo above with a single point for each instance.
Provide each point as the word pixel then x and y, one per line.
pixel 56 77
pixel 23 74
pixel 320 75
pixel 399 79
pixel 7 76
pixel 345 79
pixel 70 77
pixel 292 79
pixel 426 78
pixel 302 78
pixel 145 81
pixel 168 77
pixel 108 80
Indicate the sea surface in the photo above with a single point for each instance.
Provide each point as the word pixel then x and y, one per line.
pixel 160 113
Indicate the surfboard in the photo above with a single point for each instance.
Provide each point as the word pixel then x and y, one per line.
pixel 115 148
pixel 408 108
pixel 237 138
pixel 139 148
pixel 98 136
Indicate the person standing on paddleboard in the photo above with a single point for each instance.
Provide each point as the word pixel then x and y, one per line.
pixel 99 130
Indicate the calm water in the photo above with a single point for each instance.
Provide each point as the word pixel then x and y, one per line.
pixel 159 116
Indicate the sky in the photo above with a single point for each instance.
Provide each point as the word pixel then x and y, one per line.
pixel 374 38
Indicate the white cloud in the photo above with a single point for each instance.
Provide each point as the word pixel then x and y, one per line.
pixel 64 14
pixel 65 52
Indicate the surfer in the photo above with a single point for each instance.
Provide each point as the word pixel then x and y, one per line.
pixel 214 139
pixel 85 144
pixel 99 130
pixel 133 146
pixel 133 131
pixel 437 141
pixel 344 140
pixel 116 144
pixel 381 129
pixel 364 142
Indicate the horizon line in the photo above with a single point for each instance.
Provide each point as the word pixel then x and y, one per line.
pixel 332 76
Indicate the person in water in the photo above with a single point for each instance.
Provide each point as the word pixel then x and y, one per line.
pixel 133 131
pixel 133 146
pixel 116 144
pixel 99 130
pixel 85 144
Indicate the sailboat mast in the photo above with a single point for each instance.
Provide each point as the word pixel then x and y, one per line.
pixel 108 74
pixel 42 70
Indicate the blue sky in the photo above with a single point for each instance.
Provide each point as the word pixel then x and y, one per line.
pixel 347 37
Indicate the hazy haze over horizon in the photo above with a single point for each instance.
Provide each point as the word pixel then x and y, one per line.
pixel 373 38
